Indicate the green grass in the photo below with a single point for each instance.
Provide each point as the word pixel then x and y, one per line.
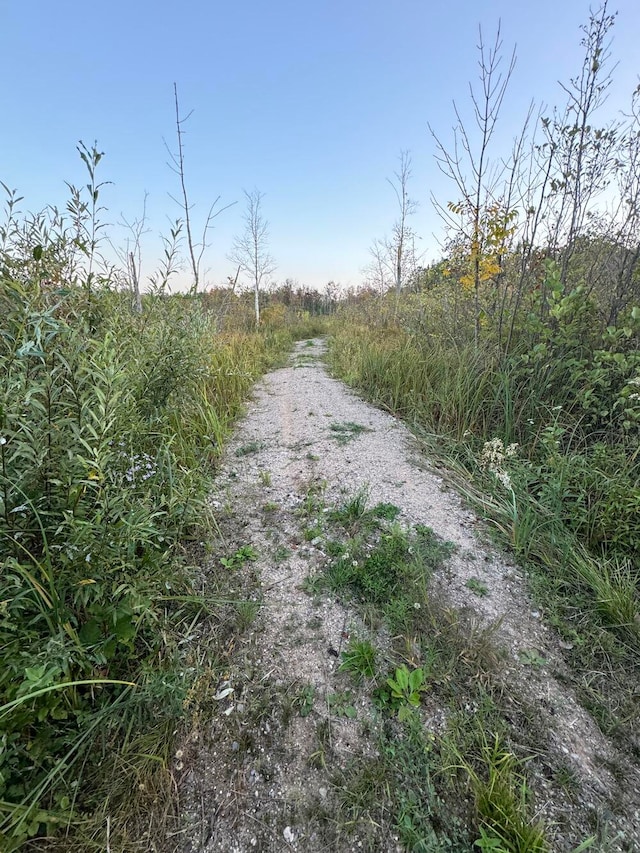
pixel 105 466
pixel 477 587
pixel 359 659
pixel 570 512
pixel 249 448
pixel 346 431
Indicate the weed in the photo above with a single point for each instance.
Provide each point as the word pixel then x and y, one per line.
pixel 352 511
pixel 477 587
pixel 318 758
pixel 242 555
pixel 281 554
pixel 501 801
pixel 265 478
pixel 249 448
pixel 341 704
pixel 531 657
pixel 359 658
pixel 310 534
pixel 406 688
pixel 386 511
pixel 346 431
pixel 304 700
pixel 246 612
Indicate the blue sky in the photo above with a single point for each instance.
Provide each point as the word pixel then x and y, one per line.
pixel 310 102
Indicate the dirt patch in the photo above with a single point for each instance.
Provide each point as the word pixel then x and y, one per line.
pixel 266 774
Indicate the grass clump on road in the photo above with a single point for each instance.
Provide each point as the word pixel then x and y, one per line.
pixel 462 785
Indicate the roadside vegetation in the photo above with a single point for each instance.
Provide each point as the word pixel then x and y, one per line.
pixel 516 360
pixel 113 411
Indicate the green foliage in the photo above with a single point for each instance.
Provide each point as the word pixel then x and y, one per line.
pixel 477 587
pixel 341 704
pixel 347 431
pixel 359 658
pixel 501 801
pixel 241 556
pixel 248 448
pixel 108 424
pixel 304 700
pixel 542 440
pixel 406 687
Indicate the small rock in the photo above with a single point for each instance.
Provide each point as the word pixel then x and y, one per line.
pixel 235 746
pixel 323 792
pixel 289 835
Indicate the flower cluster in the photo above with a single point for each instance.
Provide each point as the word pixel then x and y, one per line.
pixel 635 382
pixel 133 468
pixel 494 455
pixel 141 467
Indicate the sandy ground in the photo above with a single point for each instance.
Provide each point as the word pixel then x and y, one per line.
pixel 252 782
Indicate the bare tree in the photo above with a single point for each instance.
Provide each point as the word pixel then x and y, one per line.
pixel 195 249
pixel 130 254
pixel 393 259
pixel 250 250
pixel 403 237
pixel 582 155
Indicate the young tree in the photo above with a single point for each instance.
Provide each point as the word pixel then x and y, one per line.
pixel 393 259
pixel 470 168
pixel 196 249
pixel 582 155
pixel 250 250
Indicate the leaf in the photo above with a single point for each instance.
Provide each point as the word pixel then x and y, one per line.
pixel 223 694
pixel 416 679
pixel 125 629
pixel 90 633
pixel 37 253
pixel 402 677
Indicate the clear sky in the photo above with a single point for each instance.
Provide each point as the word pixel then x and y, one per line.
pixel 310 102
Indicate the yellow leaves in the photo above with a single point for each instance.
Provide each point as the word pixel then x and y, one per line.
pixel 485 237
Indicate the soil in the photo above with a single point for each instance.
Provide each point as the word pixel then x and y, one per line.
pixel 262 776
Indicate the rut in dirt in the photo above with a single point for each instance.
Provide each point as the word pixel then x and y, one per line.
pixel 263 775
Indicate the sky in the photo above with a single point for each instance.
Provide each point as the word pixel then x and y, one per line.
pixel 311 103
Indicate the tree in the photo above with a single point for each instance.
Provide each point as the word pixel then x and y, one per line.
pixel 393 259
pixel 250 250
pixel 468 165
pixel 582 153
pixel 196 249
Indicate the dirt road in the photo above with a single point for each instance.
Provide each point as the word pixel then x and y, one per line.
pixel 266 776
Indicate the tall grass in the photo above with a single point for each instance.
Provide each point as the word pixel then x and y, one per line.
pixel 109 425
pixel 554 472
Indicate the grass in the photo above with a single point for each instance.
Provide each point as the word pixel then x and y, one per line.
pixel 477 587
pixel 132 412
pixel 570 511
pixel 463 785
pixel 359 659
pixel 346 431
pixel 249 448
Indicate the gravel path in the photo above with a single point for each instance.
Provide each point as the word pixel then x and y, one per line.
pixel 252 781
